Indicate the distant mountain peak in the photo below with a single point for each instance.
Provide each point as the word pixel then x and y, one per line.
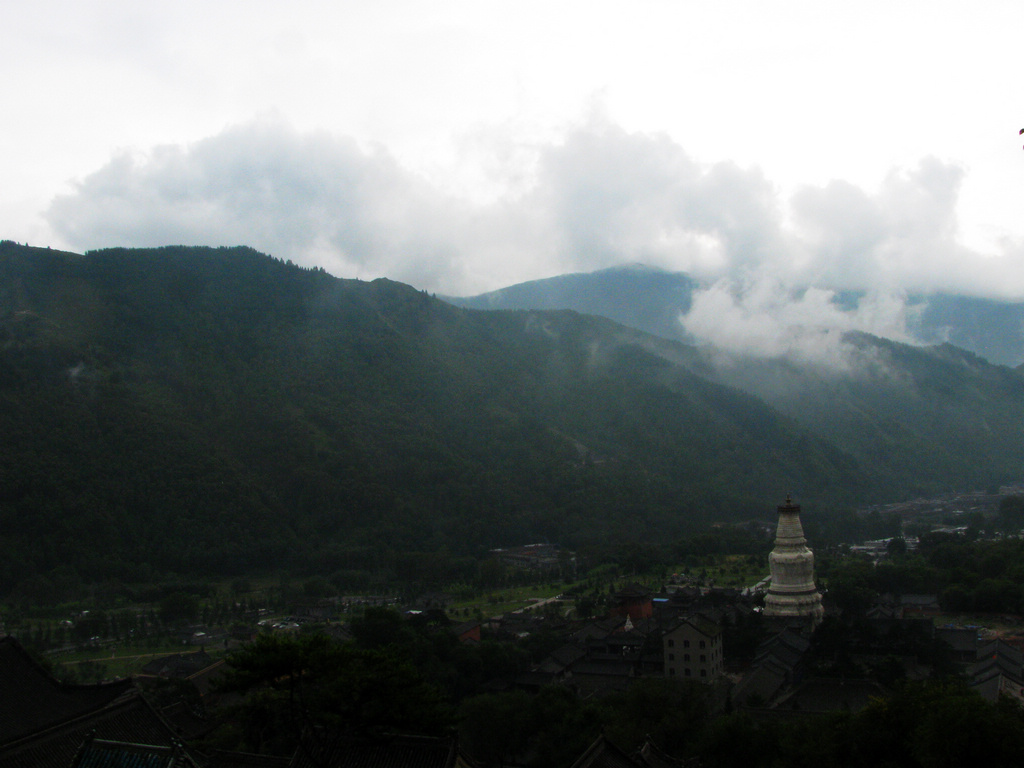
pixel 634 266
pixel 652 299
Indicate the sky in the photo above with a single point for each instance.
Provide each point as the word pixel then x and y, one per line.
pixel 466 145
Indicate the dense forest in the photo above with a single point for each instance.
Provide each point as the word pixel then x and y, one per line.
pixel 218 412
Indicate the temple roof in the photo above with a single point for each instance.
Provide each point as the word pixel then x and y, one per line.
pixel 33 700
pixel 44 722
pixel 603 754
pixel 342 751
pixel 98 753
pixel 128 720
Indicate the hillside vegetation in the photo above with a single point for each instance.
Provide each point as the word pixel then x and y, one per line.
pixel 921 420
pixel 218 412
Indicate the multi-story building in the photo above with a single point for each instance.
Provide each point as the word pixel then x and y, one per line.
pixel 693 650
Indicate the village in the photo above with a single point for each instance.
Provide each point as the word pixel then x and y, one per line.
pixel 776 647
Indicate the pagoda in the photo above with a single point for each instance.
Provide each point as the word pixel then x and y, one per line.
pixel 792 593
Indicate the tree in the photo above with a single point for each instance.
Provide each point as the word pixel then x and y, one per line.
pixel 179 608
pixel 671 712
pixel 1010 516
pixel 496 727
pixel 897 547
pixel 295 683
pixel 937 725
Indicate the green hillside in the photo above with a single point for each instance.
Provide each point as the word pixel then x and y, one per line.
pixel 216 411
pixel 921 420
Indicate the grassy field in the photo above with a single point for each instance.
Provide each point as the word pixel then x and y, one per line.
pixel 500 601
pixel 90 665
pixel 730 571
pixel 93 665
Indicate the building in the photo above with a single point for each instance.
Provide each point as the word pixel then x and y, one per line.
pixel 44 722
pixel 99 753
pixel 345 750
pixel 792 593
pixel 693 650
pixel 998 672
pixel 633 601
pixel 778 665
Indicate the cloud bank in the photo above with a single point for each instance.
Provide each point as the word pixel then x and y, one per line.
pixel 593 197
pixel 767 319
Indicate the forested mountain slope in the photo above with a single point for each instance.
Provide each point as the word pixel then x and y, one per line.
pixel 216 411
pixel 920 420
pixel 636 296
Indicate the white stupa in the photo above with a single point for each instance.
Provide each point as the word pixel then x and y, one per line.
pixel 792 592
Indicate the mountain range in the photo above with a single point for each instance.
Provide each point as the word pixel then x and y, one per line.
pixel 654 300
pixel 218 411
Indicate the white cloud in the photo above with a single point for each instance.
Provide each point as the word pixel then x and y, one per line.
pixel 904 235
pixel 766 319
pixel 310 197
pixel 594 196
pixel 623 197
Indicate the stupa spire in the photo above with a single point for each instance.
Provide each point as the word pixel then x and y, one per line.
pixel 792 592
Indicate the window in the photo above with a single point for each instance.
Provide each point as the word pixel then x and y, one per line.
pixel 701 643
pixel 703 658
pixel 671 643
pixel 686 657
pixel 686 643
pixel 671 657
pixel 687 672
pixel 703 673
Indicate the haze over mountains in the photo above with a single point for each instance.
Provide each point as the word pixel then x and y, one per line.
pixel 663 303
pixel 806 353
pixel 199 410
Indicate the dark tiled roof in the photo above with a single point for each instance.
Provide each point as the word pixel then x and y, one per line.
pixel 959 639
pixel 599 629
pixel 464 627
pixel 97 753
pixel 990 686
pixel 786 648
pixel 562 659
pixel 1005 652
pixel 33 700
pixel 633 592
pixel 341 751
pixel 702 624
pixel 204 679
pixel 179 665
pixel 759 687
pixel 604 667
pixel 651 756
pixel 129 719
pixel 999 665
pixel 603 754
pixel 224 759
pixel 829 695
pixel 185 721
